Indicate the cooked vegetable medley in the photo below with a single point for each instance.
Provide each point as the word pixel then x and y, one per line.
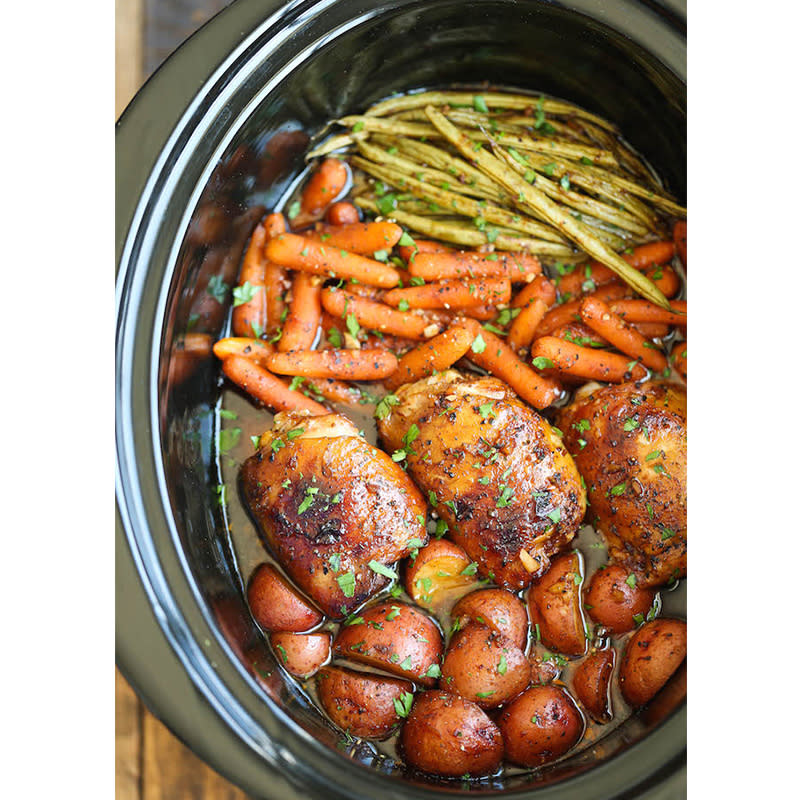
pixel 498 279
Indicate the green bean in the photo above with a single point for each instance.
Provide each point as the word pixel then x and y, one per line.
pixel 338 142
pixel 459 233
pixel 420 130
pixel 491 99
pixel 458 168
pixel 444 179
pixel 582 203
pixel 464 206
pixel 532 196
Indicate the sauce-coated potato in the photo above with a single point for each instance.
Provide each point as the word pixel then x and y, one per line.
pixel 365 705
pixel 302 654
pixel 652 655
pixel 590 684
pixel 450 736
pixel 394 637
pixel 554 604
pixel 276 605
pixel 439 572
pixel 501 610
pixel 612 601
pixel 540 726
pixel 484 666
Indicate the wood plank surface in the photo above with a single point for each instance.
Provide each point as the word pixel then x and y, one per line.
pixel 151 764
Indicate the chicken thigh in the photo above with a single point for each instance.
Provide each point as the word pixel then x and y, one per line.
pixel 629 443
pixel 495 471
pixel 332 508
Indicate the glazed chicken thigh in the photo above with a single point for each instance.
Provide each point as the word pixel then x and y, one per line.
pixel 494 470
pixel 629 443
pixel 327 504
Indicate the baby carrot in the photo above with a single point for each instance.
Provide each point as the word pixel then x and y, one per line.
pixel 580 334
pixel 678 357
pixel 300 329
pixel 651 330
pixel 266 388
pixel 325 185
pixel 250 309
pixel 524 326
pixel 306 255
pixel 645 311
pixel 584 362
pixel 375 316
pixel 363 238
pixel 679 237
pixel 354 365
pixel 495 356
pixel 275 277
pixel 452 294
pixel 409 251
pixel 342 213
pixel 482 313
pixel 539 287
pixel 599 317
pixel 594 273
pixel 465 264
pixel 256 350
pixel 432 356
pixel 328 388
pixel 570 312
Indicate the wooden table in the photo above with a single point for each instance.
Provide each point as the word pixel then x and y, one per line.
pixel 151 764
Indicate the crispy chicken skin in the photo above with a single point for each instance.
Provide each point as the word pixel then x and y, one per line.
pixel 629 443
pixel 499 474
pixel 326 503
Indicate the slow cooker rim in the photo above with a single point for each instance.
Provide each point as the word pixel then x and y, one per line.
pixel 131 514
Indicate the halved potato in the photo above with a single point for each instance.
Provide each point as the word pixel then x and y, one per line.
pixel 554 605
pixel 613 598
pixel 591 681
pixel 366 705
pixel 501 610
pixel 484 666
pixel 450 736
pixel 440 572
pixel 540 726
pixel 276 605
pixel 652 655
pixel 302 654
pixel 395 637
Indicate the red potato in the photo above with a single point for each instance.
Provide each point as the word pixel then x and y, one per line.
pixel 484 666
pixel 612 602
pixel 276 605
pixel 544 668
pixel 440 570
pixel 652 655
pixel 449 736
pixel 590 684
pixel 554 604
pixel 363 704
pixel 540 726
pixel 301 654
pixel 394 637
pixel 501 610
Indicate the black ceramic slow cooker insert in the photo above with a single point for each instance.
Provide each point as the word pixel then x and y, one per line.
pixel 267 71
